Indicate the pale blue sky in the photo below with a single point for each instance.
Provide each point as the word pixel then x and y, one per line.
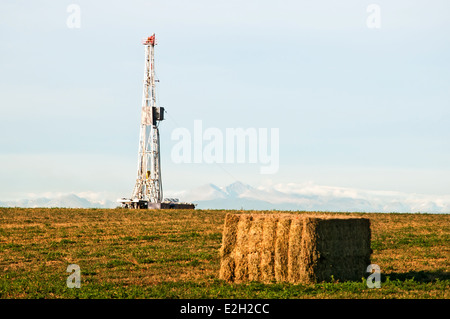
pixel 355 107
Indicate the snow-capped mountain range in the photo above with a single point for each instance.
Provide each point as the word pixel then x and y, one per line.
pixel 290 196
pixel 67 200
pixel 312 197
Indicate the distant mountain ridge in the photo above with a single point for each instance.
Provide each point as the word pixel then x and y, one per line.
pixel 291 196
pixel 68 200
pixel 312 197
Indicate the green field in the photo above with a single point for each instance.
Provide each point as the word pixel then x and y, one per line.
pixel 175 254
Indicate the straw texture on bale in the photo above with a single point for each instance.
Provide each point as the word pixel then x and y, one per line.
pixel 295 248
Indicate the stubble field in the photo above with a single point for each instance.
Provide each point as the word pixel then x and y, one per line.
pixel 175 254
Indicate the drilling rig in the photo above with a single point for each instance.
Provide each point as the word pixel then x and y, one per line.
pixel 148 192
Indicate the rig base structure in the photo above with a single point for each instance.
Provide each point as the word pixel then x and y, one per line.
pixel 143 204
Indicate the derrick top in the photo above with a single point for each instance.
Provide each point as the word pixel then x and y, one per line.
pixel 150 40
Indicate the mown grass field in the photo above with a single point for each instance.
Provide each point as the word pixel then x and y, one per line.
pixel 174 254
